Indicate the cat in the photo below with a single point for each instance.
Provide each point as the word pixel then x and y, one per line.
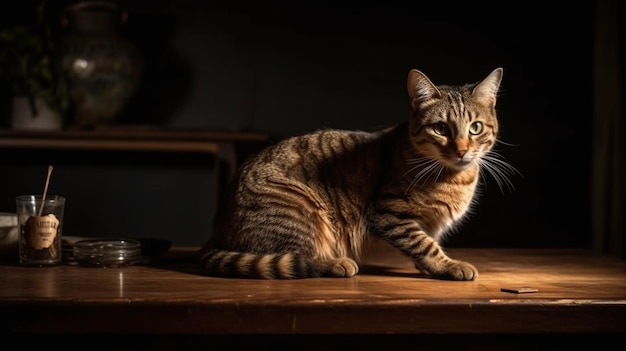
pixel 309 205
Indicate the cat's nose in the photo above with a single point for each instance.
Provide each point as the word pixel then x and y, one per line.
pixel 462 145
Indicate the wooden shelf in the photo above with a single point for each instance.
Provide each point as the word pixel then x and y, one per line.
pixel 225 145
pixel 130 139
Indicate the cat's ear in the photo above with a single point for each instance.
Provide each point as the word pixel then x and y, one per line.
pixel 487 89
pixel 421 89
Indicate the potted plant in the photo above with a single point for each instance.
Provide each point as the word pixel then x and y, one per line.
pixel 29 66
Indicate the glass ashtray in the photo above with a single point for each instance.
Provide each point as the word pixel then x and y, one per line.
pixel 107 252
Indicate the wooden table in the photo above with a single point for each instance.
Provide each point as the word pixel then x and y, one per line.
pixel 580 293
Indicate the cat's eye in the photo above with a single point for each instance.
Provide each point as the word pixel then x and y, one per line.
pixel 476 128
pixel 441 128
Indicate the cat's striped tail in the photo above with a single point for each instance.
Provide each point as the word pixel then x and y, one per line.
pixel 221 263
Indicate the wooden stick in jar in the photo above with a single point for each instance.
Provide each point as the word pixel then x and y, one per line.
pixel 45 190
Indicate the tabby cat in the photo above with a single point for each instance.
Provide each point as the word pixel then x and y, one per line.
pixel 310 205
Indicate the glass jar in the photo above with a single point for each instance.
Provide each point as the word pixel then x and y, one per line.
pixel 40 223
pixel 104 67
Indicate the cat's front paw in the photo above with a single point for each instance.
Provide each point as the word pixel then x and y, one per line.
pixel 450 270
pixel 459 270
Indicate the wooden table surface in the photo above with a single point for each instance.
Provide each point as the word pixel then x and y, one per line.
pixel 578 292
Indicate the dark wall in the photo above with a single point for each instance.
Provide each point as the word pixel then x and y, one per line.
pixel 295 68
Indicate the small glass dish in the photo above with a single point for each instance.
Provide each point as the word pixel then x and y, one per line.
pixel 107 252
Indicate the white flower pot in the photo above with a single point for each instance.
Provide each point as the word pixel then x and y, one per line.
pixel 23 118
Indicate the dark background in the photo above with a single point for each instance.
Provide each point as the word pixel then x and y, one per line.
pixel 288 69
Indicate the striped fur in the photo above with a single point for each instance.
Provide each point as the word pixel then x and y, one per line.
pixel 309 205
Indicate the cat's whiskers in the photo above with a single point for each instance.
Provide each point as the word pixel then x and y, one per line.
pixel 499 169
pixel 505 143
pixel 427 169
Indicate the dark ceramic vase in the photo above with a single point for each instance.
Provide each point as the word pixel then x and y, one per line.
pixel 104 67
